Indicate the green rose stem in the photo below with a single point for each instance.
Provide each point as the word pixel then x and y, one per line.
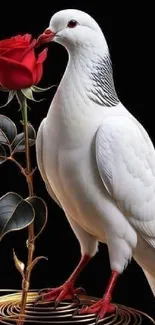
pixel 31 238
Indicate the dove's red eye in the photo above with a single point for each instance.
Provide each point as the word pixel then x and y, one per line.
pixel 72 23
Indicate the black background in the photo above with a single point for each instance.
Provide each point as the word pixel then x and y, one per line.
pixel 129 33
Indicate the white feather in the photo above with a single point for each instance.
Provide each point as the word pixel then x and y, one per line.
pixel 128 157
pixel 96 159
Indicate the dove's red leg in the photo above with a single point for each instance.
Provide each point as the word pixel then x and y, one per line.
pixel 67 290
pixel 103 306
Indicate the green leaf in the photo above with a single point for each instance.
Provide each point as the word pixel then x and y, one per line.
pixel 41 90
pixel 18 144
pixel 15 213
pixel 8 130
pixel 3 155
pixel 10 97
pixel 3 138
pixel 29 94
pixel 40 209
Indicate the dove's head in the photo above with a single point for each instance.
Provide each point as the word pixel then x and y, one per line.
pixel 72 28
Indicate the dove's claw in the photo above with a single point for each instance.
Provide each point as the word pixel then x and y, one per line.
pixel 80 291
pixel 76 312
pixel 37 300
pixel 56 303
pixel 101 308
pixel 45 290
pixel 64 292
pixel 67 290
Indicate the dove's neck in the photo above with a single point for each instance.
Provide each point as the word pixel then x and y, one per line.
pixel 91 67
pixel 87 81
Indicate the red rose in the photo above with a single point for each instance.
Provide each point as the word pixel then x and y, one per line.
pixel 20 67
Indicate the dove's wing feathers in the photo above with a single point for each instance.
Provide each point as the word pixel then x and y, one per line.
pixel 126 162
pixel 39 156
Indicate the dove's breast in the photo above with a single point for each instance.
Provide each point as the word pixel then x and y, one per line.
pixel 72 180
pixel 71 169
pixel 69 154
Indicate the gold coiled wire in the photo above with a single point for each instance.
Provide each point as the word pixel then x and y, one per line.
pixel 46 313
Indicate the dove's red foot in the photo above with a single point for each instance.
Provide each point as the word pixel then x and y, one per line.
pixel 64 292
pixel 103 306
pixel 100 308
pixel 67 290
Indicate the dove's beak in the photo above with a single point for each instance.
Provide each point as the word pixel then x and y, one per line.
pixel 46 37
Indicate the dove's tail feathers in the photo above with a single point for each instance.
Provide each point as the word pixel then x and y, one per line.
pixel 151 281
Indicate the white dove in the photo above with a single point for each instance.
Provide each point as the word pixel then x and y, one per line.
pixel 96 159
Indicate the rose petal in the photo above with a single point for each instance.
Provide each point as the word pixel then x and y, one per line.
pixel 27 38
pixel 37 74
pixel 3 50
pixel 28 59
pixel 16 41
pixel 42 56
pixel 13 44
pixel 7 43
pixel 29 48
pixel 14 75
pixel 18 37
pixel 23 38
pixel 14 53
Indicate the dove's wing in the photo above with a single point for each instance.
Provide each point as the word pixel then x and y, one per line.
pixel 126 162
pixel 39 156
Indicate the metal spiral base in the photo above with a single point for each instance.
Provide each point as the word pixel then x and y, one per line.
pixel 45 313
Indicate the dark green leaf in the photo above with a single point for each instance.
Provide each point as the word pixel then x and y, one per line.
pixel 3 155
pixel 18 144
pixel 40 209
pixel 8 130
pixel 4 152
pixel 3 138
pixel 15 213
pixel 10 97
